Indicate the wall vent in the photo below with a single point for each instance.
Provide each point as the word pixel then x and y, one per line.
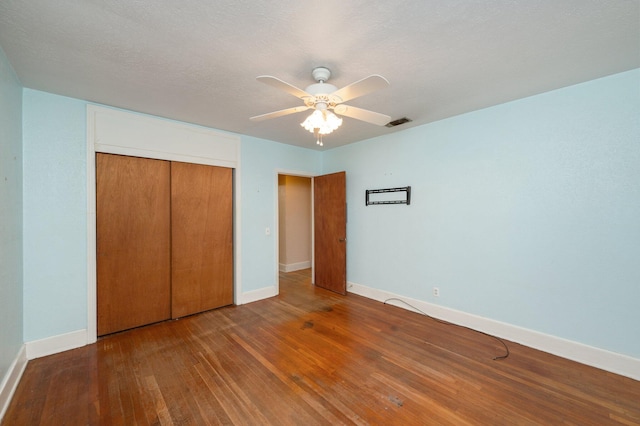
pixel 398 122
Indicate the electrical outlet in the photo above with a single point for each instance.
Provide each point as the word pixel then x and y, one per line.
pixel 436 292
pixel 267 231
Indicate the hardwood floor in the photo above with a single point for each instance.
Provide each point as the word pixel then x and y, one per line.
pixel 311 357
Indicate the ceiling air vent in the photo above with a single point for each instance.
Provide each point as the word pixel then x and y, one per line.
pixel 398 122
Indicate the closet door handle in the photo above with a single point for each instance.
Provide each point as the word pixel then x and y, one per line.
pixel 342 240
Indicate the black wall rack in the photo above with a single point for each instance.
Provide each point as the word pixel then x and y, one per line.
pixel 405 189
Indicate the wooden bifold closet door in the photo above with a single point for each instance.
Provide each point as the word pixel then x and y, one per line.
pixel 202 238
pixel 133 242
pixel 164 240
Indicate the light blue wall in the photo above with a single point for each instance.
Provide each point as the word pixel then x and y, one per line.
pixel 10 215
pixel 260 161
pixel 55 215
pixel 527 213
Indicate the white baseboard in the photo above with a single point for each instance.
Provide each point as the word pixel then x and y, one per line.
pixel 55 344
pixel 11 379
pixel 255 295
pixel 579 352
pixel 294 266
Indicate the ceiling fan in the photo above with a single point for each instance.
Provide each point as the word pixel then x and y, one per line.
pixel 323 97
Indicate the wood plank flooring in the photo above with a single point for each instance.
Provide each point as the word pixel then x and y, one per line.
pixel 312 357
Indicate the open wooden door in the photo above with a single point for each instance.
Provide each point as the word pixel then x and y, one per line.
pixel 330 231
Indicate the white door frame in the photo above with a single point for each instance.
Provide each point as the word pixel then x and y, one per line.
pixel 277 221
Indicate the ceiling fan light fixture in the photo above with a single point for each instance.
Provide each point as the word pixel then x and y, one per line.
pixel 323 97
pixel 321 122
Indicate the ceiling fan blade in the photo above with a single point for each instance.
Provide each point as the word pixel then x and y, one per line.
pixel 280 113
pixel 283 85
pixel 361 87
pixel 362 114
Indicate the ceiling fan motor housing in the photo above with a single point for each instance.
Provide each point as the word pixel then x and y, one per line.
pixel 321 74
pixel 321 90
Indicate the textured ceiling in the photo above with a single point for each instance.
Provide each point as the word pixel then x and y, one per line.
pixel 196 60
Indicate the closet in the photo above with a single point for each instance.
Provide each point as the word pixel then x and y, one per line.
pixel 164 240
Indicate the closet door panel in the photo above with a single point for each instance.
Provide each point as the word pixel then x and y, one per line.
pixel 133 242
pixel 202 238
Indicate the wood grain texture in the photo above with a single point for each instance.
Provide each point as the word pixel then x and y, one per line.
pixel 133 242
pixel 313 357
pixel 201 238
pixel 330 231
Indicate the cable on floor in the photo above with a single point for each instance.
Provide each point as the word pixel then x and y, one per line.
pixel 456 325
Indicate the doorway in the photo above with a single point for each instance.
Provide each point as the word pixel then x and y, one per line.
pixel 322 210
pixel 295 220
